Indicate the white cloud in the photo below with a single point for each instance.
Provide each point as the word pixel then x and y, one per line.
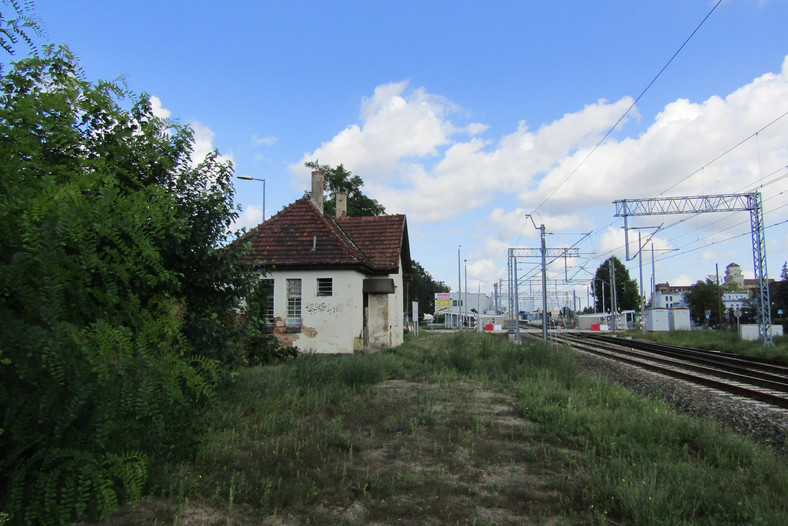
pixel 406 149
pixel 395 126
pixel 683 280
pixel 480 272
pixel 417 157
pixel 158 110
pixel 203 135
pixel 250 218
pixel 268 140
pixel 203 143
pixel 681 139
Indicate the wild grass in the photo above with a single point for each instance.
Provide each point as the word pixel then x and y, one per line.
pixel 719 340
pixel 465 429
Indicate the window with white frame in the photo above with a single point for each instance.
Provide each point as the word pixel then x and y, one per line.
pixel 293 302
pixel 325 286
pixel 268 292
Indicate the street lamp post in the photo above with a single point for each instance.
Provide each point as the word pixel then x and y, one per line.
pixel 250 178
pixel 459 286
pixel 465 303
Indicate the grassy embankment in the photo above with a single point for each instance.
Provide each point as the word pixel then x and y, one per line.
pixel 459 429
pixel 723 341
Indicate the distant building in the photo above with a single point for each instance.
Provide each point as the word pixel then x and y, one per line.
pixel 733 276
pixel 463 310
pixel 667 296
pixel 336 282
pixel 735 280
pixel 737 299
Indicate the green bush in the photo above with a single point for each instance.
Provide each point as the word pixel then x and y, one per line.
pixel 114 291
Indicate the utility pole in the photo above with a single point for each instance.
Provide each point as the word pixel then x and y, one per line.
pixel 542 252
pixel 751 202
pixel 459 287
pixel 642 297
pixel 613 303
pixel 653 277
pixel 719 294
pixel 544 283
pixel 516 305
pixel 465 303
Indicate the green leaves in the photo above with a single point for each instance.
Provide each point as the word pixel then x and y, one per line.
pixel 339 179
pixel 114 291
pixel 627 294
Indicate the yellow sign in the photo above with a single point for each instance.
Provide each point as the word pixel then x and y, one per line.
pixel 442 299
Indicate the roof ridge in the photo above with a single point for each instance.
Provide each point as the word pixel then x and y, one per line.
pixel 345 236
pixel 373 243
pixel 335 229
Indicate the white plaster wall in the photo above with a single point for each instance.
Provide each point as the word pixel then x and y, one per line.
pixel 329 323
pixel 657 320
pixel 397 310
pixel 680 320
pixel 386 313
pixel 750 332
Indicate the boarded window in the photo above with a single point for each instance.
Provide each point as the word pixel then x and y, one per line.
pixel 325 286
pixel 293 302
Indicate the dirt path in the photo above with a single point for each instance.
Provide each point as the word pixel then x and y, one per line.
pixel 432 454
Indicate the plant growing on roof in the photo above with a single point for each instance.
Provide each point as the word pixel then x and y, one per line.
pixel 339 179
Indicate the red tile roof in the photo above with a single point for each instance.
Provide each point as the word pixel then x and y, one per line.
pixel 301 237
pixel 381 238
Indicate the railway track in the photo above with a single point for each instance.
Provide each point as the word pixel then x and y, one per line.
pixel 755 379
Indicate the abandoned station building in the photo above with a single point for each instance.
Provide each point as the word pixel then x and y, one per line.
pixel 336 282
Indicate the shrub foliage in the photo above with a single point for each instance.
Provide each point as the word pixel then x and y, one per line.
pixel 117 302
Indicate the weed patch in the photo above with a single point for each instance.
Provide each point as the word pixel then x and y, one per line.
pixel 464 429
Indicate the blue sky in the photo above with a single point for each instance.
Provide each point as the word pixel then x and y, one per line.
pixel 466 116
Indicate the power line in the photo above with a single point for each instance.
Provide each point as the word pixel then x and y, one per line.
pixel 723 154
pixel 775 176
pixel 634 103
pixel 748 232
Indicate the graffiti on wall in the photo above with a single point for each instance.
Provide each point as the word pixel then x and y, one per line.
pixel 323 308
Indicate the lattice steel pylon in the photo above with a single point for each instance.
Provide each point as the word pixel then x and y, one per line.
pixel 514 292
pixel 750 202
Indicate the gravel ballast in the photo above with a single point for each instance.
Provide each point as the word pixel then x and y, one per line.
pixel 768 425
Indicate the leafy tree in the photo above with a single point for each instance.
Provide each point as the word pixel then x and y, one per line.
pixel 703 296
pixel 627 294
pixel 339 179
pixel 18 25
pixel 423 289
pixel 780 293
pixel 113 291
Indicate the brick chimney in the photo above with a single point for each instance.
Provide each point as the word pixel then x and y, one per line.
pixel 341 204
pixel 317 189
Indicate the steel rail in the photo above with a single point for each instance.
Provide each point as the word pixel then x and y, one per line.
pixel 758 367
pixel 702 376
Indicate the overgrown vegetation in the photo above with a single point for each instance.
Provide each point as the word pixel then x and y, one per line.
pixel 627 296
pixel 465 429
pixel 718 340
pixel 118 306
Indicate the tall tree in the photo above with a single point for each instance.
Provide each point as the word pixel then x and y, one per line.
pixel 17 21
pixel 423 289
pixel 704 296
pixel 780 294
pixel 627 295
pixel 339 179
pixel 113 285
